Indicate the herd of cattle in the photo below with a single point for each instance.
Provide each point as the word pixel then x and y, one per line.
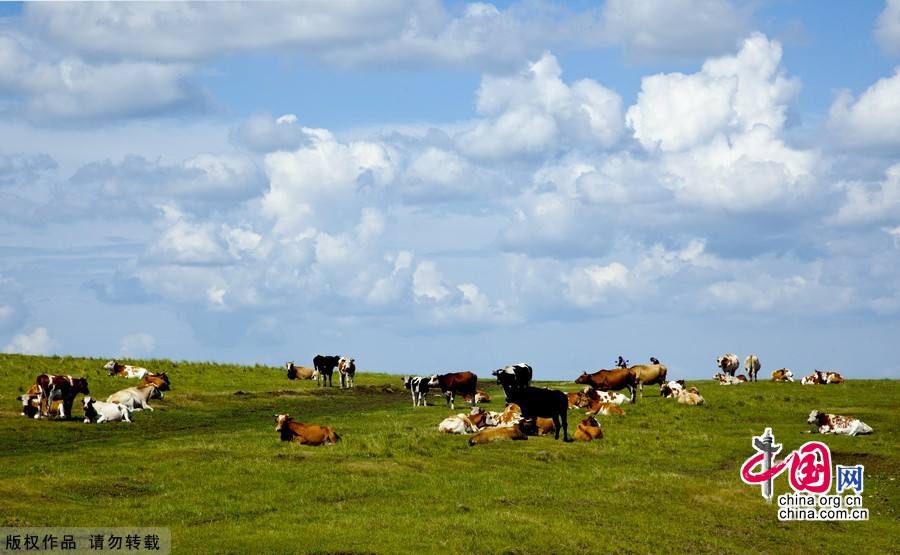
pixel 55 395
pixel 529 410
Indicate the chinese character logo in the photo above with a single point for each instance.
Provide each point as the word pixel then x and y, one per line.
pixel 810 466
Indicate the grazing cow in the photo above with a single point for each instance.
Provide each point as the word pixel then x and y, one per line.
pixel 725 379
pixel 135 398
pixel 65 388
pixel 836 424
pixel 621 362
pixel 671 389
pixel 304 434
pixel 299 372
pixel 545 403
pixel 498 434
pixel 347 368
pixel 161 381
pixel 324 366
pixel 611 380
pixel 751 367
pixel 689 397
pixel 649 374
pixel 481 397
pixel 418 386
pixel 125 370
pixel 98 411
pixel 464 383
pixel 588 430
pixel 513 377
pixel 728 363
pixel 783 375
pixel 31 403
pixel 458 424
pixel 606 409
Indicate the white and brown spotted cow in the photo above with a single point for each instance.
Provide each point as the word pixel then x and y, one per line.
pixel 728 363
pixel 824 423
pixel 783 375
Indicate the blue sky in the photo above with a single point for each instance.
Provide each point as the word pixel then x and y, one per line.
pixel 433 187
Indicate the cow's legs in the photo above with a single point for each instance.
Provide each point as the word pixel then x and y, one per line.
pixel 633 394
pixel 555 424
pixel 565 426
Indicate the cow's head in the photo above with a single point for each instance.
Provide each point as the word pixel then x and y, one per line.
pixel 788 375
pixel 282 420
pixel 719 361
pixel 583 378
pixel 111 365
pixel 90 413
pixel 291 370
pixel 407 381
pixel 664 390
pixel 814 417
pixel 80 385
pixel 433 381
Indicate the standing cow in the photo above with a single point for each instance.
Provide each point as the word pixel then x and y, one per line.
pixel 728 363
pixel 324 366
pixel 752 366
pixel 464 383
pixel 418 386
pixel 513 377
pixel 65 388
pixel 649 374
pixel 540 402
pixel 347 368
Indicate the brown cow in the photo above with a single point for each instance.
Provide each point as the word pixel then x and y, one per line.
pixel 577 400
pixel 588 430
pixel 606 409
pixel 539 426
pixel 59 387
pixel 304 434
pixel 161 381
pixel 498 434
pixel 464 383
pixel 783 375
pixel 481 397
pixel 614 380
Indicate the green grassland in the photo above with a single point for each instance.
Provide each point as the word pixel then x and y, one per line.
pixel 208 464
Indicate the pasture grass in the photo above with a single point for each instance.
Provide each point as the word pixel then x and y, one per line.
pixel 208 464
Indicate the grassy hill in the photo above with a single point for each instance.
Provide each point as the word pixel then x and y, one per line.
pixel 208 464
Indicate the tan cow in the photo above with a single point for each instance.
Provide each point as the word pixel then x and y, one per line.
pixel 689 397
pixel 304 434
pixel 295 372
pixel 588 430
pixel 577 400
pixel 649 374
pixel 783 375
pixel 539 426
pixel 159 380
pixel 606 409
pixel 752 366
pixel 498 434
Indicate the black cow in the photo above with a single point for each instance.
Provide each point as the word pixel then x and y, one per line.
pixel 324 365
pixel 513 377
pixel 544 403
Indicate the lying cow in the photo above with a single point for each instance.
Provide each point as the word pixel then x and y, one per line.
pixel 458 424
pixel 464 383
pixel 161 381
pixel 594 395
pixel 577 400
pixel 498 434
pixel 347 368
pixel 125 370
pixel 513 377
pixel 418 386
pixel 98 411
pixel 295 372
pixel 606 409
pixel 64 388
pixel 819 377
pixel 833 377
pixel 728 363
pixel 752 366
pixel 836 424
pixel 725 379
pixel 136 398
pixel 325 366
pixel 304 434
pixel 671 389
pixel 31 403
pixel 689 397
pixel 481 397
pixel 511 416
pixel 588 430
pixel 782 375
pixel 610 380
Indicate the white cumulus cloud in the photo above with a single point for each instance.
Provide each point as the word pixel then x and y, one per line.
pixel 37 342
